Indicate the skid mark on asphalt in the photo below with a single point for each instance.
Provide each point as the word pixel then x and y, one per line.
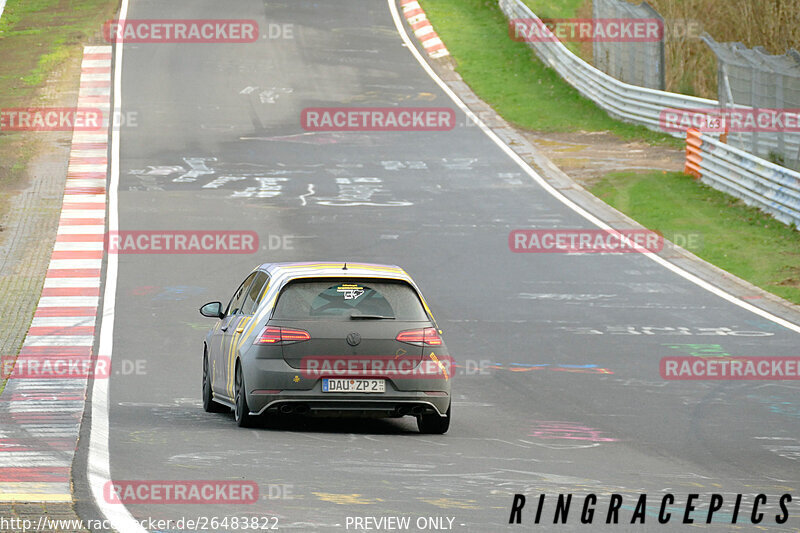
pixel 200 326
pixel 404 165
pixel 149 436
pixel 565 297
pixel 319 138
pixel 346 499
pixel 381 467
pixel 635 382
pixel 719 331
pixel 532 367
pixel 175 292
pixel 179 292
pixel 509 481
pixel 448 503
pixel 777 405
pixel 637 287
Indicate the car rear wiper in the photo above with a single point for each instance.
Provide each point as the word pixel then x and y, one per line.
pixel 371 317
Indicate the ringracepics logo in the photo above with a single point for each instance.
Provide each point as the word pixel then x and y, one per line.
pixel 404 366
pixel 610 30
pixel 180 492
pixel 378 119
pixel 54 367
pixel 182 242
pixel 730 368
pixel 181 31
pixel 51 119
pixel 585 241
pixel 748 120
pixel 664 508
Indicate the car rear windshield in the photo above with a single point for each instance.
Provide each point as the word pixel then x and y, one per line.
pixel 343 299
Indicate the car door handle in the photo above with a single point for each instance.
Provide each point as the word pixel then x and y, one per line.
pixel 239 330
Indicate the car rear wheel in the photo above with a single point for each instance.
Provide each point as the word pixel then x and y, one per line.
pixel 242 412
pixel 209 405
pixel 433 423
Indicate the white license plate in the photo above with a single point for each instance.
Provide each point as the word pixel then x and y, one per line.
pixel 353 385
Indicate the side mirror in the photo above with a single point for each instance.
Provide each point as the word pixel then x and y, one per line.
pixel 212 310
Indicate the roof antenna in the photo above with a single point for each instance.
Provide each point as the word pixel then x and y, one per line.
pixel 345 266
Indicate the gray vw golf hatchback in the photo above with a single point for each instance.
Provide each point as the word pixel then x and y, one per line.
pixel 327 339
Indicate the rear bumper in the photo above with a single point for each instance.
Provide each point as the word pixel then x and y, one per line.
pixel 315 405
pixel 273 386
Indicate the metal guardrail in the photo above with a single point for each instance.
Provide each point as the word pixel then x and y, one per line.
pixel 626 102
pixel 758 182
pixel 622 101
pixel 771 188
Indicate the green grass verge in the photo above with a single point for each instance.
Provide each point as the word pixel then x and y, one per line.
pixel 508 75
pixel 553 9
pixel 713 225
pixel 37 38
pixel 558 9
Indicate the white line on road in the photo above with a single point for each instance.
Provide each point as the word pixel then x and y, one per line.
pixel 563 199
pixel 99 462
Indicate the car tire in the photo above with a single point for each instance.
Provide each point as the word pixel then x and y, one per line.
pixel 434 424
pixel 242 412
pixel 209 405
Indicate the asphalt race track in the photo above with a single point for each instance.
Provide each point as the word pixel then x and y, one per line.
pixel 559 390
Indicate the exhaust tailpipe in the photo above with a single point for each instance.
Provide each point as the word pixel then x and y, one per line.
pixel 417 410
pixel 403 411
pixel 286 409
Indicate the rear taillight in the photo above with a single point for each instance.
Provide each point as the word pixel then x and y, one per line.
pixel 420 337
pixel 276 335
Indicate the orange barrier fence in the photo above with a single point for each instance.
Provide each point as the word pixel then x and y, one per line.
pixel 694 154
